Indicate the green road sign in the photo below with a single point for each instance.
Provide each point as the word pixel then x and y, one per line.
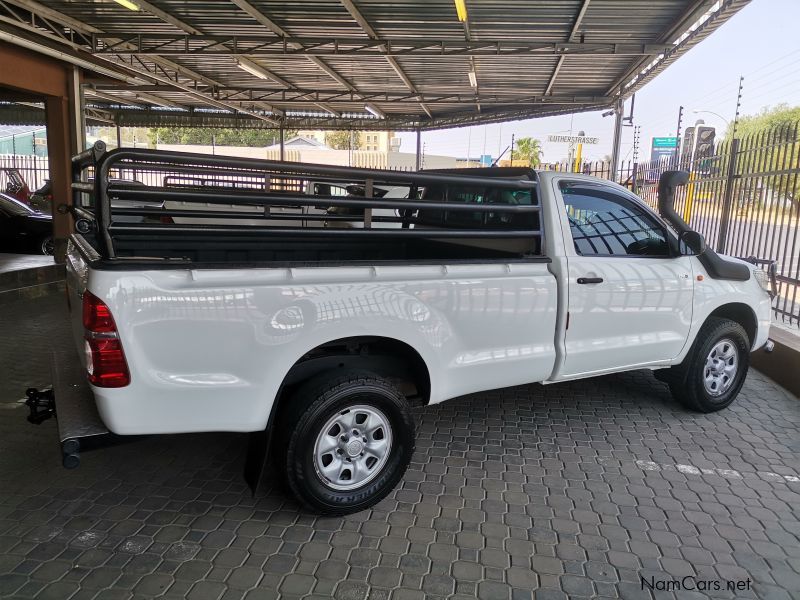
pixel 665 142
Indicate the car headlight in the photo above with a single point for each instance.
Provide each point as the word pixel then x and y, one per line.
pixel 766 279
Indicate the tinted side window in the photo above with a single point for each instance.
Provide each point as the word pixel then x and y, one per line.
pixel 604 223
pixel 478 195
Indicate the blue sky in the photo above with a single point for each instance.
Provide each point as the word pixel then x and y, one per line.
pixel 760 42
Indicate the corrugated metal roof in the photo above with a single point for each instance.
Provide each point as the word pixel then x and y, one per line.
pixel 322 61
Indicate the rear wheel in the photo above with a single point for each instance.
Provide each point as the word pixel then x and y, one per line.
pixel 47 246
pixel 348 440
pixel 710 377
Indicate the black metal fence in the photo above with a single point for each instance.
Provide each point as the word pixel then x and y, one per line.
pixel 744 198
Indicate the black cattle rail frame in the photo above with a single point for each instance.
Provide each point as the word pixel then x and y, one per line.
pixel 229 181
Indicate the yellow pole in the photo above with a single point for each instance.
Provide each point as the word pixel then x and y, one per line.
pixel 687 209
pixel 577 166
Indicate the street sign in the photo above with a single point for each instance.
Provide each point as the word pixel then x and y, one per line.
pixel 665 142
pixel 573 139
pixel 663 149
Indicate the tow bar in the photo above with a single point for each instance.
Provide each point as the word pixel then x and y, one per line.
pixel 41 404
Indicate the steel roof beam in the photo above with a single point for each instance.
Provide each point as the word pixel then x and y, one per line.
pixel 573 32
pixel 472 69
pixel 165 16
pixel 42 12
pixel 687 19
pixel 157 101
pixel 365 25
pixel 314 100
pixel 110 98
pixel 259 16
pixel 48 13
pixel 255 46
pixel 313 96
pixel 30 5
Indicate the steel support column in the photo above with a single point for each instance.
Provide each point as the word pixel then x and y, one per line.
pixel 619 110
pixel 283 149
pixel 59 150
pixel 77 116
pixel 419 149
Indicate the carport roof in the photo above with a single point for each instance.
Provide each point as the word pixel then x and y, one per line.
pixel 364 64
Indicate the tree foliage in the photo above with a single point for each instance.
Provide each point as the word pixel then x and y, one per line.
pixel 207 136
pixel 776 119
pixel 529 149
pixel 768 142
pixel 344 140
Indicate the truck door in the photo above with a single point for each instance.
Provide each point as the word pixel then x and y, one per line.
pixel 630 292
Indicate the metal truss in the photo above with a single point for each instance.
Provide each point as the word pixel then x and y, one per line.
pixel 283 96
pixel 155 44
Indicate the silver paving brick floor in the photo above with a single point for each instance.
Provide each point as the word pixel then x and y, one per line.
pixel 566 491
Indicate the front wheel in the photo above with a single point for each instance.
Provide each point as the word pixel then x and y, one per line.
pixel 349 439
pixel 710 377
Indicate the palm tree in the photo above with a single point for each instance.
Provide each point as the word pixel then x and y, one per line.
pixel 529 149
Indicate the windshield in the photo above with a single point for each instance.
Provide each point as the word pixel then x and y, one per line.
pixel 13 207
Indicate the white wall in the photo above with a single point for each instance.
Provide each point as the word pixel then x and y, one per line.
pixel 357 158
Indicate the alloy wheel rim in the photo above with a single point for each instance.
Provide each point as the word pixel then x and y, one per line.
pixel 721 366
pixel 352 447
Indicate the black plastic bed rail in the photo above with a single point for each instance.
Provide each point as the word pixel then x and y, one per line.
pixel 150 192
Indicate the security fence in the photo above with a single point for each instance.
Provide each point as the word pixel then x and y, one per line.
pixel 34 169
pixel 744 197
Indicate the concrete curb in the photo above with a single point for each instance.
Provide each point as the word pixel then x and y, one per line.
pixel 783 364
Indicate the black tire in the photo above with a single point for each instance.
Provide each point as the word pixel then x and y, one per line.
pixel 47 246
pixel 687 380
pixel 319 400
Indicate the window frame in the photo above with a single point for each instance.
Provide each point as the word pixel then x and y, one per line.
pixel 623 197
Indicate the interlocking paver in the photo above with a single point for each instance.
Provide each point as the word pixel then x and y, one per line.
pixel 526 493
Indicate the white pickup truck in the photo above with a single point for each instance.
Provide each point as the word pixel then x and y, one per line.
pixel 318 339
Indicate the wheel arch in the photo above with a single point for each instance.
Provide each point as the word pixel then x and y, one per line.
pixel 740 313
pixel 384 356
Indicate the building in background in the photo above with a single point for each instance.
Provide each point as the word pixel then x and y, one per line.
pixel 309 147
pixel 371 141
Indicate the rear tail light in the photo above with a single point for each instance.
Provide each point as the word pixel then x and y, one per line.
pixel 105 358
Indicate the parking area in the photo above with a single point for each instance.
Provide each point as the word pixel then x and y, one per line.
pixel 569 491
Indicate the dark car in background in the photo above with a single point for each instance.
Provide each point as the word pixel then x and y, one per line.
pixel 16 187
pixel 42 200
pixel 23 229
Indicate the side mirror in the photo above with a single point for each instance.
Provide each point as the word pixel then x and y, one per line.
pixel 692 243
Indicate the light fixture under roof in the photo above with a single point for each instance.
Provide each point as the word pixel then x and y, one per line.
pixel 473 80
pixel 461 10
pixel 248 65
pixel 371 108
pixel 129 5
